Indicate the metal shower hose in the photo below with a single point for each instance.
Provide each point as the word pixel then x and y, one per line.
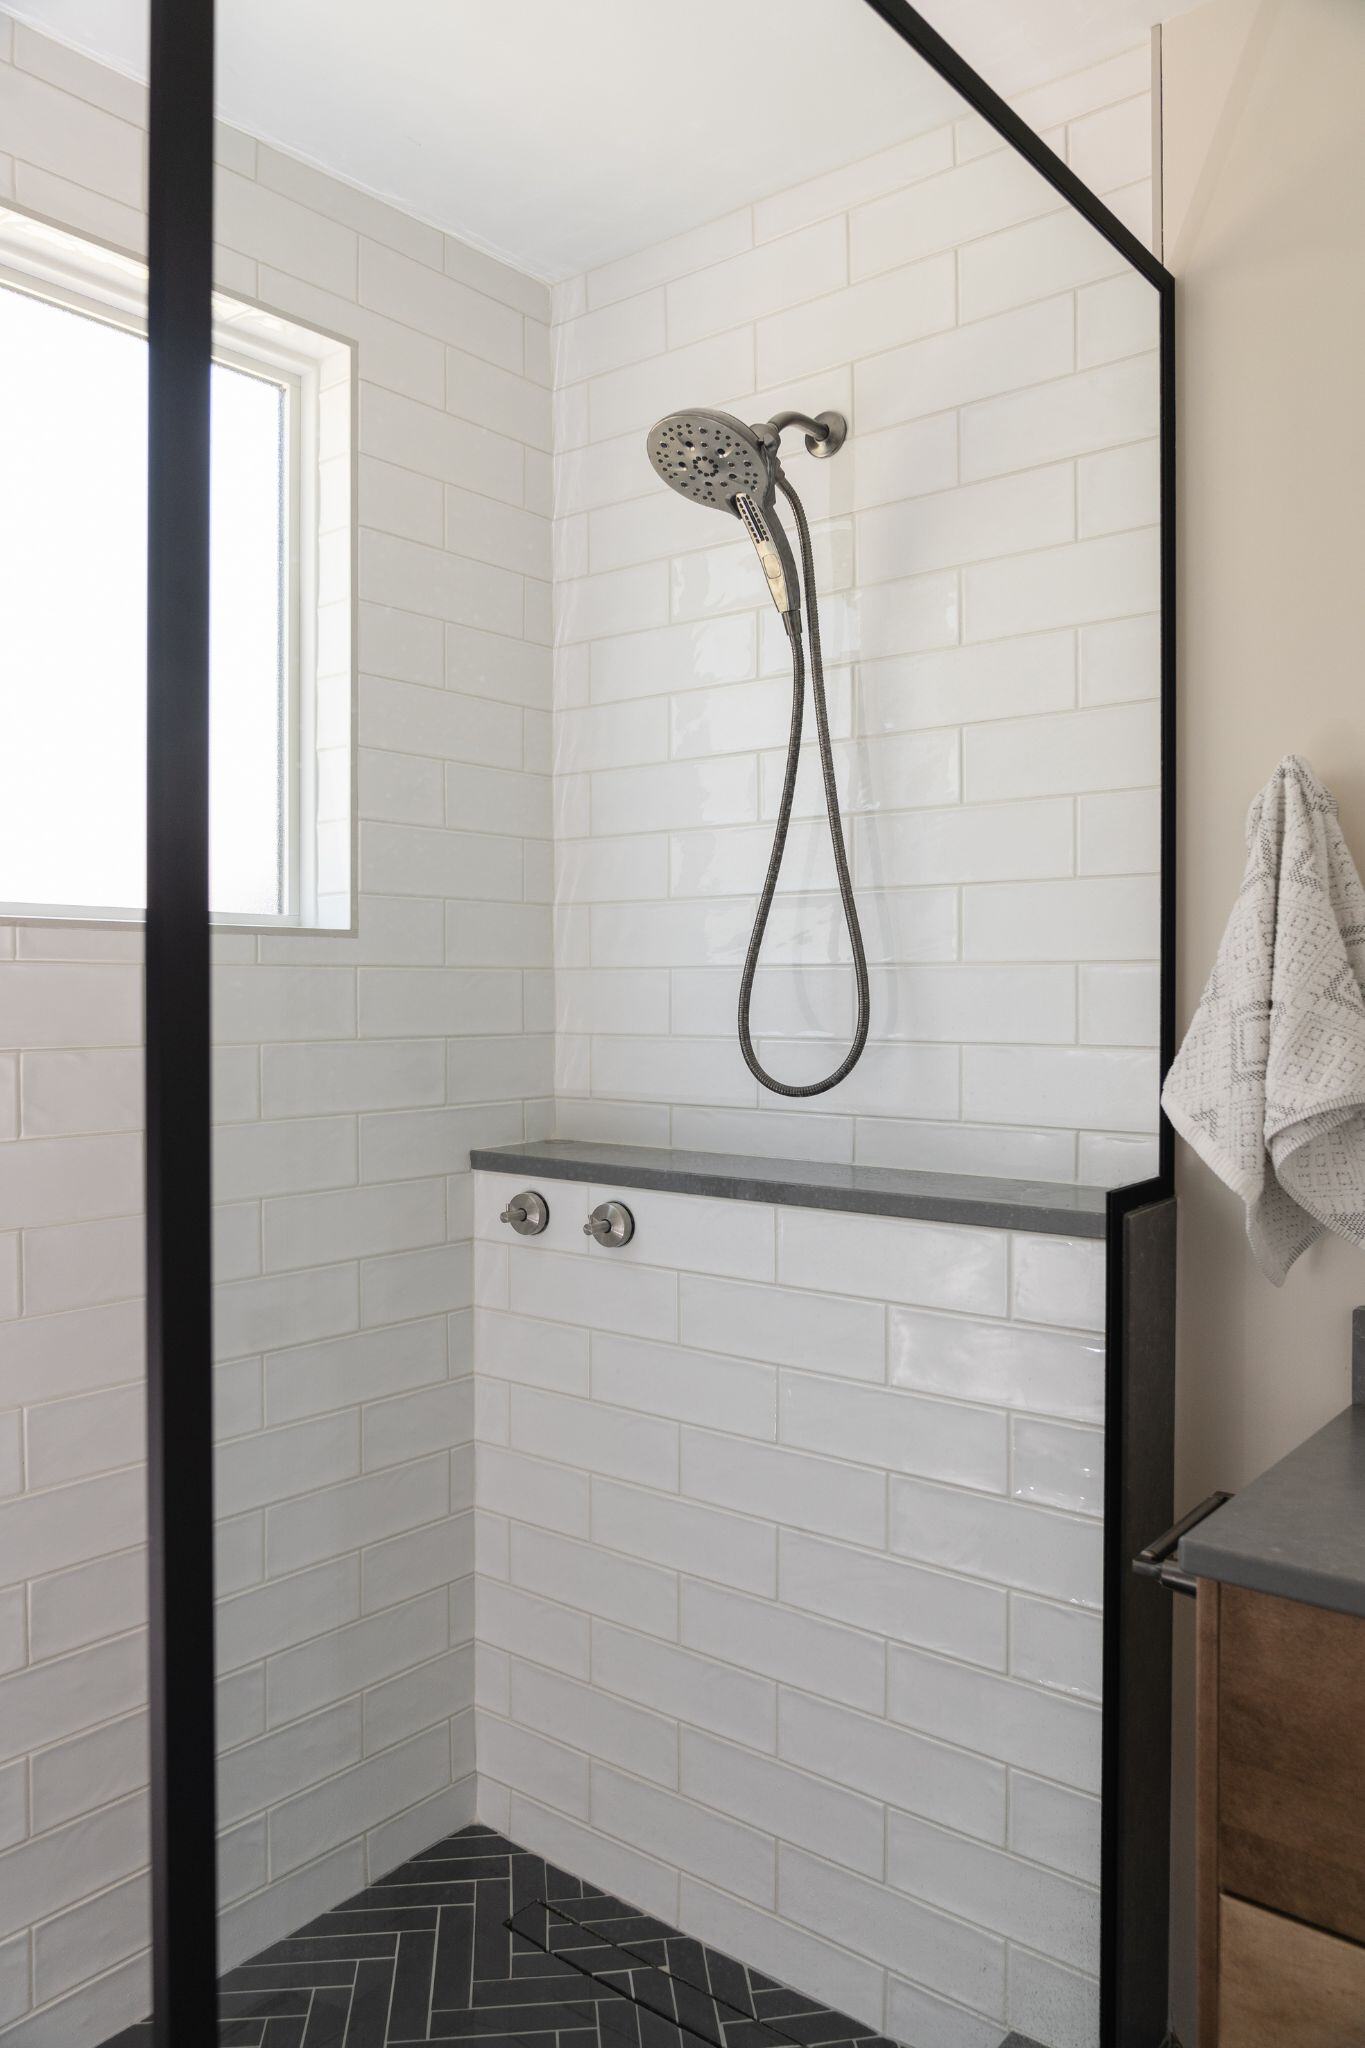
pixel 836 831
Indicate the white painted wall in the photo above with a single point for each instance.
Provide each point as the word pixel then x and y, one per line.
pixel 987 561
pixel 351 1077
pixel 1260 104
pixel 789 1553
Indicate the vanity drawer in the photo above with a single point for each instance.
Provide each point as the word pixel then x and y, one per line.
pixel 1284 1983
pixel 1291 1760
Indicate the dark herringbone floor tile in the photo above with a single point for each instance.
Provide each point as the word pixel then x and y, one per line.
pixel 478 1942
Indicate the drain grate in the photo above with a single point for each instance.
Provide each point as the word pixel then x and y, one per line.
pixel 676 1990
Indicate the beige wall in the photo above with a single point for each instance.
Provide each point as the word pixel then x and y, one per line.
pixel 1264 207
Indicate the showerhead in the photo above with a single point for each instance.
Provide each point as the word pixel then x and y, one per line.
pixel 712 459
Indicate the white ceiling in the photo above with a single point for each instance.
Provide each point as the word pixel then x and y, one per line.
pixel 561 133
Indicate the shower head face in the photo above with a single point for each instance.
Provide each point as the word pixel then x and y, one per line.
pixel 711 459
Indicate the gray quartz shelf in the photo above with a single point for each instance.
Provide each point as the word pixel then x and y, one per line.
pixel 1054 1208
pixel 1298 1530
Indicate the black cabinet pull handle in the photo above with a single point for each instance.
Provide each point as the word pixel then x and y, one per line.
pixel 1157 1561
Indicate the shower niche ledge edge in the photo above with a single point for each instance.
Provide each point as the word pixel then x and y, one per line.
pixel 1052 1207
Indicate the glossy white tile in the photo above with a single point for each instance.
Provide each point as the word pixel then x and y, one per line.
pixel 895 1430
pixel 1064 586
pixel 931 1266
pixel 1058 1280
pixel 594 1437
pixel 1047 1912
pixel 731 1393
pixel 907 1771
pixel 785 1325
pixel 968 842
pixel 987 357
pixel 1048 1371
pixel 1003 1541
pixel 726 1549
pixel 836 327
pixel 688 1834
pixel 1067 416
pixel 1049 1824
pixel 1032 674
pixel 591 1720
pixel 695 654
pixel 793 1489
pixel 946 1954
pixel 722 1697
pixel 806 264
pixel 785 1802
pixel 1087 919
pixel 1070 754
pixel 1017 1723
pixel 1056 1646
pixel 596 1581
pixel 775 1641
pixel 1119 835
pixel 1111 1088
pixel 899 1601
pixel 675 796
pixel 1118 1005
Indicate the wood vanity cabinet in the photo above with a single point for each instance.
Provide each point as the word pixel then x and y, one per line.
pixel 1280 1822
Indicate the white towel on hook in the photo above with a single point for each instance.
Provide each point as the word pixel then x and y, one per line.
pixel 1269 1085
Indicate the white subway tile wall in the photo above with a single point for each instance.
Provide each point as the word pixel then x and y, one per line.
pixel 789 1613
pixel 351 1077
pixel 986 549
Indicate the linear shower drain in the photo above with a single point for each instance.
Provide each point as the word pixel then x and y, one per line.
pixel 707 1996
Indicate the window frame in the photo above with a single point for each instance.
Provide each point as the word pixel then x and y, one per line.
pixel 94 281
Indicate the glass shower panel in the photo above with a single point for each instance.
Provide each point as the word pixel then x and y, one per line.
pixel 74 1913
pixel 779 1558
pixel 344 1103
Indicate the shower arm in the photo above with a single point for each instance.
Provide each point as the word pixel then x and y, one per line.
pixel 825 434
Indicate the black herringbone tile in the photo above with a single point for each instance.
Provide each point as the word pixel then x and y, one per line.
pixel 427 1954
pixel 328 2018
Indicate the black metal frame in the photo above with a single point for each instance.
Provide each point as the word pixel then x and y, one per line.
pixel 179 1275
pixel 178 1023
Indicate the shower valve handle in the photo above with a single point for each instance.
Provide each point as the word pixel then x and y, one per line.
pixel 527 1213
pixel 611 1224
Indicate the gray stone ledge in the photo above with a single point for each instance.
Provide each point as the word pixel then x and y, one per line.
pixel 1053 1207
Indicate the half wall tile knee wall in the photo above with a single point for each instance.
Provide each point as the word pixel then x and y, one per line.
pixel 789 1551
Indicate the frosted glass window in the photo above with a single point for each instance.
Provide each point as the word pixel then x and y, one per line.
pixel 73 572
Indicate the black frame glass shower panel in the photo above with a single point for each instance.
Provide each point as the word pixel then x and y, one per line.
pixel 1139 1255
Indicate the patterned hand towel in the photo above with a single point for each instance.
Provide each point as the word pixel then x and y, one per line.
pixel 1269 1085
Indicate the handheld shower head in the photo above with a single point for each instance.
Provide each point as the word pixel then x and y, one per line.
pixel 711 459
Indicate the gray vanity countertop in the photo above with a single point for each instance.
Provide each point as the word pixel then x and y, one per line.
pixel 1298 1530
pixel 1047 1206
